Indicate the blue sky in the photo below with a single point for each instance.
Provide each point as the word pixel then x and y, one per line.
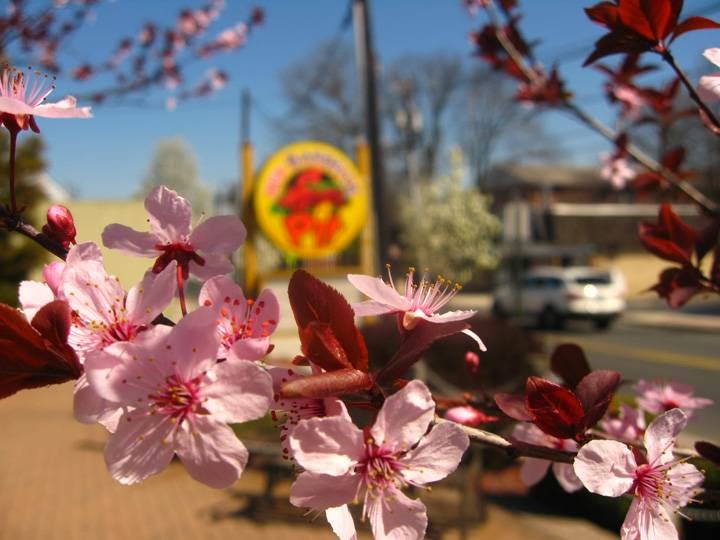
pixel 107 157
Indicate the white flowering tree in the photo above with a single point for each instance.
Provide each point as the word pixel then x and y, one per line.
pixel 450 224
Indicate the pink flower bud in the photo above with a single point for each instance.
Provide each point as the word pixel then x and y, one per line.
pixel 472 362
pixel 468 416
pixel 60 225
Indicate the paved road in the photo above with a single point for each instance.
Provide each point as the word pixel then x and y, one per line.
pixel 653 353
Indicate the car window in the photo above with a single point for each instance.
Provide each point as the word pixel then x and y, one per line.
pixel 595 279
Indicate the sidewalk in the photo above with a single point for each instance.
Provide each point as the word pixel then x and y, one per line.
pixel 54 486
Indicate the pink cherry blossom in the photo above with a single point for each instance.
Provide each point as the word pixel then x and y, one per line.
pixel 659 483
pixel 628 426
pixel 631 98
pixel 22 97
pixel 656 397
pixel 202 251
pixel 344 464
pixel 244 325
pixel 709 87
pixel 415 301
pixel 178 400
pixel 533 469
pixel 616 170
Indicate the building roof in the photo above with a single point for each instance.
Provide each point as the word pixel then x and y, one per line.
pixel 539 175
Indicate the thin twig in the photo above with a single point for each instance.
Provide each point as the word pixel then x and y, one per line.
pixel 14 222
pixel 513 448
pixel 670 60
pixel 639 155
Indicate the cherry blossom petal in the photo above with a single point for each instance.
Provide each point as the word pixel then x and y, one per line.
pixel 323 491
pixel 151 296
pixel 438 454
pixel 90 408
pixel 216 264
pixel 33 295
pixel 685 480
pixel 192 345
pixel 329 445
pixel 605 467
pixel 170 215
pixel 404 417
pixel 370 308
pixel 242 391
pixel 448 316
pixel 660 435
pixel 533 470
pixel 211 452
pixel 644 522
pixel 91 292
pixel 15 106
pixel 713 54
pixel 566 477
pixel 139 447
pixel 376 289
pixel 130 241
pixel 65 108
pixel 85 251
pixel 222 234
pixel 341 522
pixel 215 290
pixel 249 349
pixel 395 516
pixel 119 372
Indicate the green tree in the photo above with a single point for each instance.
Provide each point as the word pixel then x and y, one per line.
pixel 174 165
pixel 20 255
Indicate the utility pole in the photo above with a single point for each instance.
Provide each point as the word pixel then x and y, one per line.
pixel 366 69
pixel 250 278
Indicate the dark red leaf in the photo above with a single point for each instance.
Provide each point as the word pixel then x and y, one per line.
pixel 322 385
pixel 652 19
pixel 416 343
pixel 663 248
pixel 514 406
pixel 693 23
pixel 314 302
pixel 555 409
pixel 678 285
pixel 605 14
pixel 320 346
pixel 569 363
pixel 709 451
pixel 595 391
pixel 707 238
pixel 673 158
pixel 29 359
pixel 616 42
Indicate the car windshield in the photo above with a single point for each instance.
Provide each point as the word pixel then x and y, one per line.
pixel 595 279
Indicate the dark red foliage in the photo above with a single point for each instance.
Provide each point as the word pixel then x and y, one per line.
pixel 671 161
pixel 637 26
pixel 669 238
pixel 36 354
pixel 673 240
pixel 709 451
pixel 547 90
pixel 326 325
pixel 554 408
pixel 559 411
pixel 569 363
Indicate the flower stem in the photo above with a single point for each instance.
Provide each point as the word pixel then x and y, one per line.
pixel 13 148
pixel 181 289
pixel 670 60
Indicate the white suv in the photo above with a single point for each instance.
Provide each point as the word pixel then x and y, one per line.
pixel 550 295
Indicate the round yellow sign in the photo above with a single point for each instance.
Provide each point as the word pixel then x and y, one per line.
pixel 310 199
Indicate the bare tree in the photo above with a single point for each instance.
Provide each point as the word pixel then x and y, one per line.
pixel 322 96
pixel 417 93
pixel 490 125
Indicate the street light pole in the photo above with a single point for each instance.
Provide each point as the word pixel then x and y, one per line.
pixel 366 68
